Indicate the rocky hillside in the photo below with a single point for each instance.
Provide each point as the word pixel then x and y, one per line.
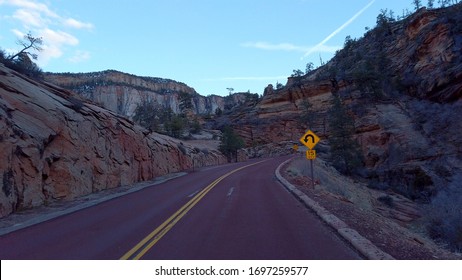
pixel 121 92
pixel 401 83
pixel 56 146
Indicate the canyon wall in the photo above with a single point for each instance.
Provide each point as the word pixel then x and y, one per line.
pixel 57 146
pixel 122 93
pixel 402 85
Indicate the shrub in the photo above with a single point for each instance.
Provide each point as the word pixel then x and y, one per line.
pixel 445 215
pixel 387 200
pixel 205 151
pixel 76 103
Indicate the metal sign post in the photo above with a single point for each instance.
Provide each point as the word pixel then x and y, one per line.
pixel 309 139
pixel 311 156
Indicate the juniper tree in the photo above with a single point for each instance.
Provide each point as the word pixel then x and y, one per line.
pixel 307 115
pixel 230 143
pixel 185 102
pixel 345 152
pixel 146 115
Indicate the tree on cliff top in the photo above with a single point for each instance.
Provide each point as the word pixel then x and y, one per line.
pixel 22 60
pixel 29 42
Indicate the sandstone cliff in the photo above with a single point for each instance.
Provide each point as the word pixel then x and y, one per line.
pixel 402 84
pixel 56 146
pixel 121 92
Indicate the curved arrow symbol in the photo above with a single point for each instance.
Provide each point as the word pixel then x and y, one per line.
pixel 308 136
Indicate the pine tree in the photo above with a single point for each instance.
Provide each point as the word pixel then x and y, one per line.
pixel 145 115
pixel 345 152
pixel 176 126
pixel 185 102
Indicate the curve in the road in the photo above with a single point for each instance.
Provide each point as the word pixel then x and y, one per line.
pixel 140 249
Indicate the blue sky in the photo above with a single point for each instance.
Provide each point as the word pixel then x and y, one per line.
pixel 211 45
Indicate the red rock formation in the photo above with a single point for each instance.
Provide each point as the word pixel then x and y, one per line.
pixel 411 137
pixel 56 146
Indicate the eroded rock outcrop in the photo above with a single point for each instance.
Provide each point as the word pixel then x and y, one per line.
pixel 409 131
pixel 56 146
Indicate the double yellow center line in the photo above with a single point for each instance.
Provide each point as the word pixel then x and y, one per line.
pixel 149 241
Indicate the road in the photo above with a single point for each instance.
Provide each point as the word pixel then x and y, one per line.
pixel 233 211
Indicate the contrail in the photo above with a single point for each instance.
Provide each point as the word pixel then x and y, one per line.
pixel 348 22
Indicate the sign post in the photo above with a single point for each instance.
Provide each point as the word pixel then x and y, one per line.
pixel 309 139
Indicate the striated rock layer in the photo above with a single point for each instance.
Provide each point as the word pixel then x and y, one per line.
pixel 122 93
pixel 56 146
pixel 411 136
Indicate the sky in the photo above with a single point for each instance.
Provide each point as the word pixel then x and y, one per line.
pixel 211 45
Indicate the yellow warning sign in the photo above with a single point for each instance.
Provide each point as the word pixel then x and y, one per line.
pixel 310 139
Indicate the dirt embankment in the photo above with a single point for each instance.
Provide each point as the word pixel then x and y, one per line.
pixel 390 221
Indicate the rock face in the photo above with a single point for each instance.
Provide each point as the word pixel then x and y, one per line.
pixel 56 146
pixel 121 92
pixel 410 132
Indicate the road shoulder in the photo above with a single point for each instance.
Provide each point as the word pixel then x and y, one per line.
pixel 354 211
pixel 360 243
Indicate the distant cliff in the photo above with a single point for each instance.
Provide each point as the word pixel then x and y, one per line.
pixel 121 92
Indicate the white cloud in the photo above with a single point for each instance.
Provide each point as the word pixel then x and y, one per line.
pixel 289 47
pixel 343 26
pixel 43 22
pixel 80 56
pixel 29 18
pixel 59 37
pixel 274 47
pixel 77 24
pixel 54 43
pixel 31 5
pixel 18 33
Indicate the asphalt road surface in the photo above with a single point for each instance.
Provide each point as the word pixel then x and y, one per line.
pixel 235 211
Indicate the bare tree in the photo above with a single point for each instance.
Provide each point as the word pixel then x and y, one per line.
pixel 29 42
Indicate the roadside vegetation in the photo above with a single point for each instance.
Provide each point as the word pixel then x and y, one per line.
pixel 444 216
pixel 345 153
pixel 230 144
pixel 364 71
pixel 154 117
